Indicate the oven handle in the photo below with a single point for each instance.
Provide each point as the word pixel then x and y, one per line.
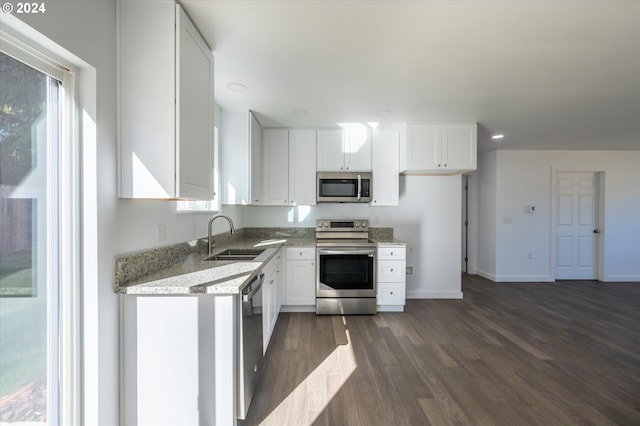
pixel 359 186
pixel 370 252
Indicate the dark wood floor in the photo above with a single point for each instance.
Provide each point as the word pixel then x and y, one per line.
pixel 507 354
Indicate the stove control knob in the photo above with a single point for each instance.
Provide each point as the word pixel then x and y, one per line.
pixel 357 224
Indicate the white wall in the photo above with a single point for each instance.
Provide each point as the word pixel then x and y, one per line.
pixel 428 220
pixel 87 29
pixel 518 178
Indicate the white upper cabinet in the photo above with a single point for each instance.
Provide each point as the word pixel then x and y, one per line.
pixel 344 150
pixel 166 105
pixel 386 168
pixel 302 167
pixel 289 167
pixel 275 170
pixel 440 148
pixel 241 146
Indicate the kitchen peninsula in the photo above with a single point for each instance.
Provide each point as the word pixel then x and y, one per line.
pixel 180 326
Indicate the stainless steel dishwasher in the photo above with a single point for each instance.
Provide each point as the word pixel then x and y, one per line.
pixel 250 355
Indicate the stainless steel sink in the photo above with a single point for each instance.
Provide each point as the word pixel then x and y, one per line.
pixel 237 254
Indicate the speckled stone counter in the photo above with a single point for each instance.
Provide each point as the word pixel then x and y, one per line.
pixel 183 268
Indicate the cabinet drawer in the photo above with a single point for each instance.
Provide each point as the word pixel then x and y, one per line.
pixel 391 294
pixel 301 253
pixel 396 252
pixel 391 271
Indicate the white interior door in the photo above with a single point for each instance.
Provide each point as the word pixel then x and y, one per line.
pixel 576 225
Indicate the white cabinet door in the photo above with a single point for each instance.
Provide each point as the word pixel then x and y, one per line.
pixel 330 150
pixel 440 148
pixel 344 150
pixel 357 149
pixel 268 306
pixel 166 106
pixel 424 143
pixel 459 146
pixel 275 167
pixel 302 167
pixel 386 168
pixel 300 286
pixel 194 112
pixel 255 155
pixel 240 151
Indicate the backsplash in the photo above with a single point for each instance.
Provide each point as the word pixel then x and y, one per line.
pixel 131 266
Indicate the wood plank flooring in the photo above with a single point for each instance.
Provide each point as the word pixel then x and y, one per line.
pixel 507 354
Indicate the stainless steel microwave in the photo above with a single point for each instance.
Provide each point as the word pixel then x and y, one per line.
pixel 344 187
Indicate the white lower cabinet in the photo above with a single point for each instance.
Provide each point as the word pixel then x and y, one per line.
pixel 391 292
pixel 300 286
pixel 178 359
pixel 270 297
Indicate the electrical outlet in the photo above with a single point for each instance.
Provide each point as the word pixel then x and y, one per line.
pixel 161 232
pixel 409 270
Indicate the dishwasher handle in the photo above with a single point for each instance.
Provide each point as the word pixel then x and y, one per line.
pixel 253 287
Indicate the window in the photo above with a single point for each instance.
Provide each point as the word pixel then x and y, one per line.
pixel 34 122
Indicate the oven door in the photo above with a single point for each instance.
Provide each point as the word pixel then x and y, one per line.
pixel 346 272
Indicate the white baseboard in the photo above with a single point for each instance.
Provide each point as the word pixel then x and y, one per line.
pixel 434 294
pixel 298 308
pixel 486 275
pixel 622 278
pixel 390 308
pixel 524 278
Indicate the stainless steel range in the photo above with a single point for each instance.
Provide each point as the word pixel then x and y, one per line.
pixel 346 268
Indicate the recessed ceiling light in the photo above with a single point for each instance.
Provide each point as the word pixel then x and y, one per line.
pixel 237 87
pixel 383 112
pixel 496 137
pixel 299 112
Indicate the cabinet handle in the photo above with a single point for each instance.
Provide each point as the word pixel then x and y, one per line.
pixel 439 165
pixel 341 168
pixel 391 269
pixel 391 253
pixel 445 164
pixel 311 263
pixel 286 202
pixel 271 282
pixel 391 292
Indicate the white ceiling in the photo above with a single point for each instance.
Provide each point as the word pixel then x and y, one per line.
pixel 547 74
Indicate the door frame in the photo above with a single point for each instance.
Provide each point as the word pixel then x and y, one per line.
pixel 599 191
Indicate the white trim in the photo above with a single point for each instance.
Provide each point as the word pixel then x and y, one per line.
pixel 390 308
pixel 523 278
pixel 78 253
pixel 434 294
pixel 486 275
pixel 298 308
pixel 622 278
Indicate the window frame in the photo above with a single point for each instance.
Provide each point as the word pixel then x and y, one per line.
pixel 65 364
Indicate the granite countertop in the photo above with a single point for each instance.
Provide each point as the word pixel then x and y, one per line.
pixel 182 269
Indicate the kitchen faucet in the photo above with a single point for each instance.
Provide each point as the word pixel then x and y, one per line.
pixel 210 243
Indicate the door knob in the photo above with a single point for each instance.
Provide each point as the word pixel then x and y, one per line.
pixel 596 231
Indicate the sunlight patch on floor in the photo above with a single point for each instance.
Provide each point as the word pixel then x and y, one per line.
pixel 303 406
